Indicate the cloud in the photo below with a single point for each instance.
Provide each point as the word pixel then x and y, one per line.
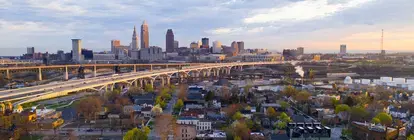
pixel 301 11
pixel 220 31
pixel 62 6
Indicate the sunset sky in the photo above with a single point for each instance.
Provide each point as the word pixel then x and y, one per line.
pixel 317 25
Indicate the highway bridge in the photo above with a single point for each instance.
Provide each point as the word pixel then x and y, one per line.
pixel 8 71
pixel 135 78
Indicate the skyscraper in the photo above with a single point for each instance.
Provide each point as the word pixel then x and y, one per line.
pixel 342 49
pixel 176 44
pixel 169 41
pixel 217 47
pixel 205 43
pixel 114 44
pixel 134 43
pixel 144 35
pixel 30 50
pixel 240 44
pixel 76 50
pixel 300 51
pixel 235 47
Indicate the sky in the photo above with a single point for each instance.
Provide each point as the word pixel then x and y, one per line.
pixel 317 25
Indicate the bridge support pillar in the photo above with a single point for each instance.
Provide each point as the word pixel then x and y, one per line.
pixel 162 81
pixel 66 73
pixel 151 68
pixel 228 70
pixel 136 83
pixel 168 78
pixel 112 87
pixel 241 68
pixel 141 83
pixel 8 76
pixel 135 68
pixel 151 82
pixel 39 75
pixel 94 71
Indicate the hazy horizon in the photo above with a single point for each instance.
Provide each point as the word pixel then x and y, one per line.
pixel 323 25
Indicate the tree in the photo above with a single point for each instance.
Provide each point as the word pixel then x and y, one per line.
pixel 358 113
pixel 411 137
pixel 89 107
pixel 237 138
pixel 247 88
pixel 289 91
pixel 384 118
pixel 281 125
pixel 311 74
pixel 225 93
pixel 284 117
pixel 237 116
pixel 148 88
pixel 182 91
pixel 342 108
pixel 156 110
pixel 137 134
pixel 375 120
pixel 231 109
pixel 302 96
pixel 284 105
pixel 134 91
pixel 349 101
pixel 164 123
pixel 271 112
pixel 209 96
pixel 241 130
pixel 179 105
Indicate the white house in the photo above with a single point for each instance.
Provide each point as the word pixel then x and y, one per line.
pixel 201 125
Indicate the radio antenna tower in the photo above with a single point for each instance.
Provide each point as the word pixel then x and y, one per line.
pixel 382 39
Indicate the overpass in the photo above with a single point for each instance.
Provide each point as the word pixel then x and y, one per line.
pixel 8 71
pixel 141 78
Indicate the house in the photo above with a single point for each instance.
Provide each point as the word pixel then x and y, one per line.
pixel 308 130
pixel 128 109
pixel 144 100
pixel 216 135
pixel 185 132
pixel 146 111
pixel 201 124
pixel 246 113
pixel 398 112
pixel 371 131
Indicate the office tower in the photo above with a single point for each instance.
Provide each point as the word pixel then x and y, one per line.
pixel 169 41
pixel 205 43
pixel 114 45
pixel 144 35
pixel 76 50
pixel 300 51
pixel 199 43
pixel 194 45
pixel 240 44
pixel 134 43
pixel 216 47
pixel 342 49
pixel 30 50
pixel 176 44
pixel 235 47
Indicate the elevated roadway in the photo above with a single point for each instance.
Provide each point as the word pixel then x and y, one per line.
pixel 142 78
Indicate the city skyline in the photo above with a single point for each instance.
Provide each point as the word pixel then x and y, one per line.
pixel 357 23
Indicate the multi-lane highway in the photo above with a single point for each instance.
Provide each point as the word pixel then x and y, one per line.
pixel 35 93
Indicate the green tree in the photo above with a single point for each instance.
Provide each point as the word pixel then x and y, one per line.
pixel 137 134
pixel 358 113
pixel 237 116
pixel 284 105
pixel 237 138
pixel 271 112
pixel 375 120
pixel 178 105
pixel 284 117
pixel 148 88
pixel 247 88
pixel 209 96
pixel 411 137
pixel 281 125
pixel 384 118
pixel 342 108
